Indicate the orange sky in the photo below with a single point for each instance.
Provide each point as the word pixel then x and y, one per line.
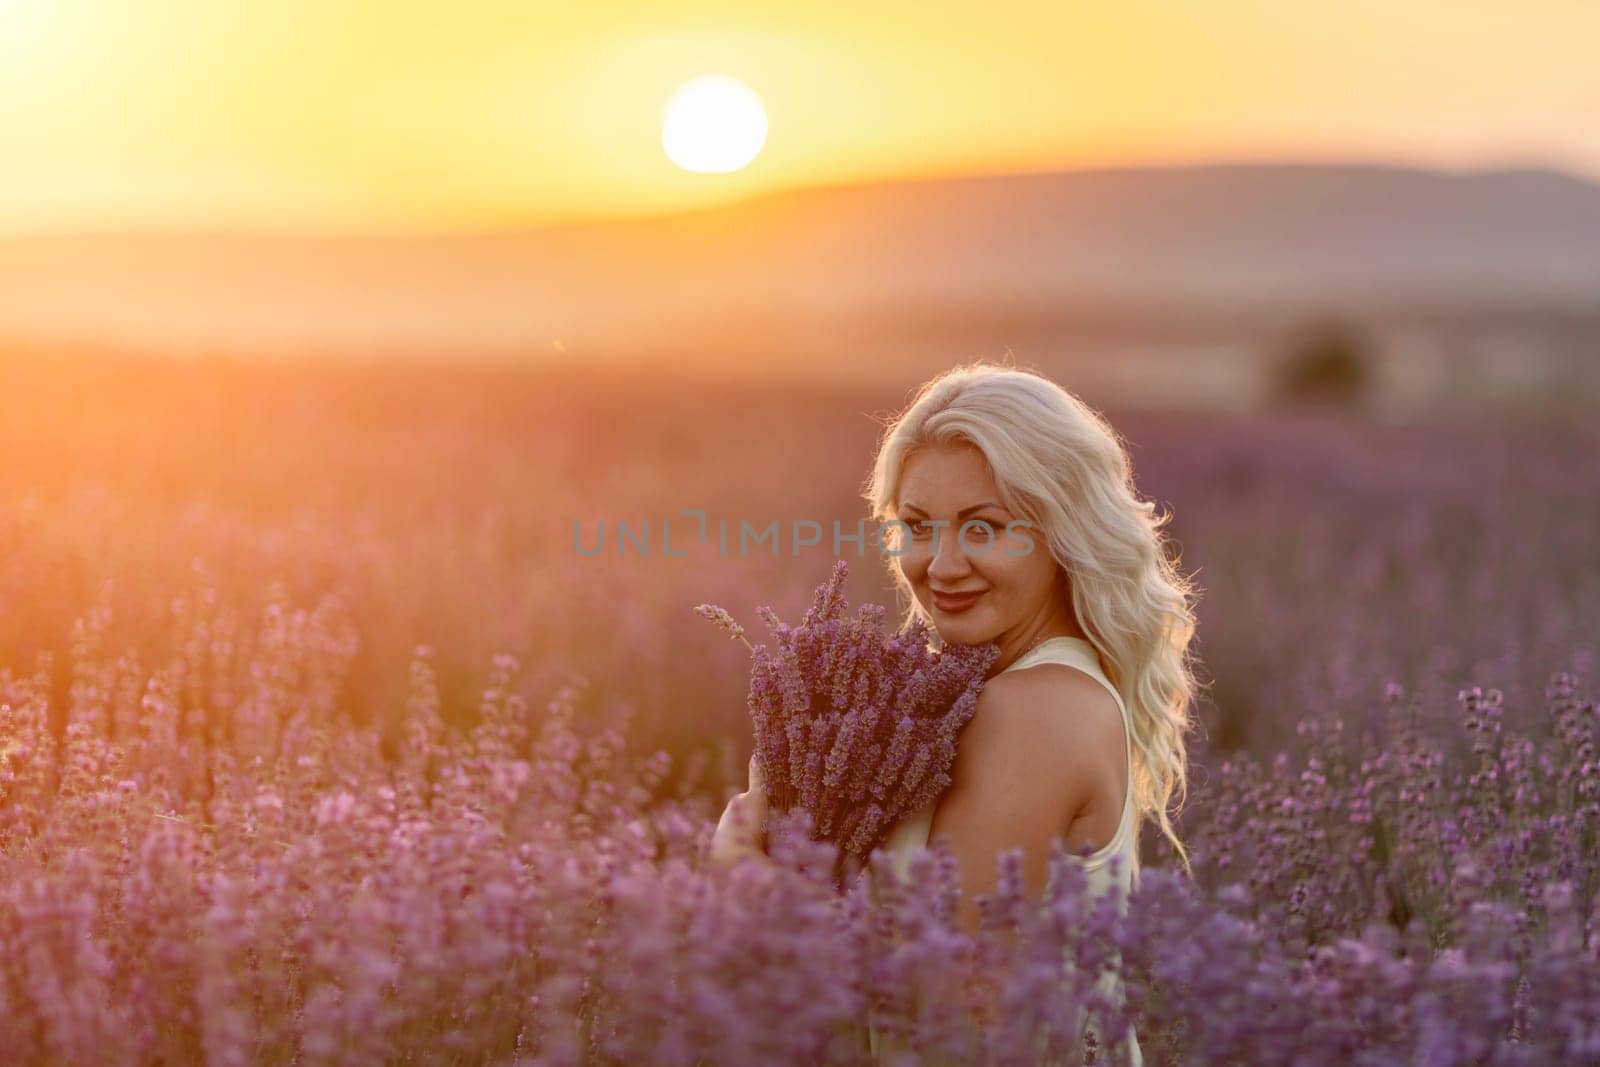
pixel 399 115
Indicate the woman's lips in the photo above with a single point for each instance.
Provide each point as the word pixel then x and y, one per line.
pixel 952 605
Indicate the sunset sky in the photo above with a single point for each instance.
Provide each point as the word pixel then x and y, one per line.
pixel 339 115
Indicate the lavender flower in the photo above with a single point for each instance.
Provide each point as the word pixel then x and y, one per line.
pixel 853 725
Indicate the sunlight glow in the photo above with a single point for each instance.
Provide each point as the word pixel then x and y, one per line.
pixel 714 125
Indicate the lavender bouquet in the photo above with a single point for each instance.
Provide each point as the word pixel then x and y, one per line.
pixel 854 725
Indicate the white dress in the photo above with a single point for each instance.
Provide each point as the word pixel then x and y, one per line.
pixel 910 835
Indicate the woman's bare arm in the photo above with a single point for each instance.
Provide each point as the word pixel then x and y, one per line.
pixel 1040 746
pixel 739 832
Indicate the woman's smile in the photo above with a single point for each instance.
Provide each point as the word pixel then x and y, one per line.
pixel 953 604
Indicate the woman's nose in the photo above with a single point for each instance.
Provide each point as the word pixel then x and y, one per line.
pixel 949 558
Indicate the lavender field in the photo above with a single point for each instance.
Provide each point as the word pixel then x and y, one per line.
pixel 321 743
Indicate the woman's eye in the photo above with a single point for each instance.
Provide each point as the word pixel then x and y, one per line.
pixel 978 529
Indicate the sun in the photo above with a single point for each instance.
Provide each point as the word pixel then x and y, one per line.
pixel 713 125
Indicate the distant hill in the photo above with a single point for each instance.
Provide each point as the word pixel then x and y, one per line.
pixel 1224 237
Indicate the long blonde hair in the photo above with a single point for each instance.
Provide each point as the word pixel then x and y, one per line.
pixel 1059 465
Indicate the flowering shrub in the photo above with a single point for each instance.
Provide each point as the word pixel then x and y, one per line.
pixel 213 863
pixel 244 819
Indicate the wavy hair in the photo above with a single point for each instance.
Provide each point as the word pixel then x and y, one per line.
pixel 1058 464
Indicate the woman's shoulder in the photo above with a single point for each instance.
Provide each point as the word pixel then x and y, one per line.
pixel 1051 687
pixel 1049 717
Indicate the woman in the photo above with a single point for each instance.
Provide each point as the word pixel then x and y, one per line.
pixel 1016 522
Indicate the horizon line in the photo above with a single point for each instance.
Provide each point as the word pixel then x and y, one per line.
pixel 1506 165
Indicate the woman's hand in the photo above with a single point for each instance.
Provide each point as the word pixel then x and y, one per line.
pixel 739 832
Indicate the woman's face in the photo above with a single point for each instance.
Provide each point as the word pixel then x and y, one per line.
pixel 1002 583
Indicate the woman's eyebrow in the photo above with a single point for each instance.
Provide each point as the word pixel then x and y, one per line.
pixel 963 513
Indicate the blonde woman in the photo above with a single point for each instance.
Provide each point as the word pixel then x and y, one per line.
pixel 1013 519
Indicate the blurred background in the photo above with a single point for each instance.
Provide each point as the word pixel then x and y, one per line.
pixel 366 306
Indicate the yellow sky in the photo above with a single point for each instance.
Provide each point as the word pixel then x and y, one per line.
pixel 403 115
